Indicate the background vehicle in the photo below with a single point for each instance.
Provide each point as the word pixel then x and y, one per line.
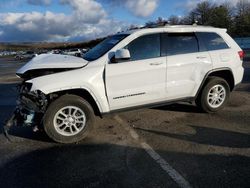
pixel 138 68
pixel 27 55
pixel 74 52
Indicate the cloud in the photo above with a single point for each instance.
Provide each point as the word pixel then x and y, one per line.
pixel 88 20
pixel 104 28
pixel 33 26
pixel 39 2
pixel 88 11
pixel 140 8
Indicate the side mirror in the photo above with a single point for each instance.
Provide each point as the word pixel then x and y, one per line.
pixel 122 54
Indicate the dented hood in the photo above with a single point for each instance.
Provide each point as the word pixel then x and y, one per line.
pixel 52 61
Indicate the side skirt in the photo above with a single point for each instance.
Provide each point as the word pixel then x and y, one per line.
pixel 152 105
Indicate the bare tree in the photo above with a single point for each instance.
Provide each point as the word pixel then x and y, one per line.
pixel 174 20
pixel 222 17
pixel 235 19
pixel 203 12
pixel 159 22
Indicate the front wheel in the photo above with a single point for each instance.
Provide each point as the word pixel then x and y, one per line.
pixel 68 119
pixel 214 95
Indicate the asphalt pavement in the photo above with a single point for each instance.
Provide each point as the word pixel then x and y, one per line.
pixel 170 146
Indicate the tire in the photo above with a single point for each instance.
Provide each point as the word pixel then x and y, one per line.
pixel 68 119
pixel 78 55
pixel 214 95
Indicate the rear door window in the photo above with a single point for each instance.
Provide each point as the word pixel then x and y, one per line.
pixel 179 43
pixel 212 41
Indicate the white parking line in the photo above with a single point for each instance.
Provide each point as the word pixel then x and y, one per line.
pixel 176 176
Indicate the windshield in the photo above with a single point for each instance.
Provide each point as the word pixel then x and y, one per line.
pixel 103 47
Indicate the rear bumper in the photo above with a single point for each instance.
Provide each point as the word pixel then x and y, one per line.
pixel 238 75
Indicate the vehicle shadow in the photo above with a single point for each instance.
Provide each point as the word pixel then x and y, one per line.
pixel 16 133
pixel 109 165
pixel 208 136
pixel 245 88
pixel 86 165
pixel 180 107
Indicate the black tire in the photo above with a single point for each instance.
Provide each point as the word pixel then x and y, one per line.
pixel 77 54
pixel 61 103
pixel 202 99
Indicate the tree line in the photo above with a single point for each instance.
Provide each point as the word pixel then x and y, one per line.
pixel 235 18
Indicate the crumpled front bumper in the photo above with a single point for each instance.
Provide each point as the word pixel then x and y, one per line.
pixel 29 110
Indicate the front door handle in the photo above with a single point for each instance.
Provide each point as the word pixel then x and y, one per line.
pixel 155 64
pixel 201 57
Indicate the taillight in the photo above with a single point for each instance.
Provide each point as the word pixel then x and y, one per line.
pixel 241 54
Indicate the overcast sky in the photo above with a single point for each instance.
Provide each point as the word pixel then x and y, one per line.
pixel 81 20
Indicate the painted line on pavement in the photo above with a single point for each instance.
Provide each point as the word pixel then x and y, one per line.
pixel 176 176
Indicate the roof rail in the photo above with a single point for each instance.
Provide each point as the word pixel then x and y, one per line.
pixel 167 25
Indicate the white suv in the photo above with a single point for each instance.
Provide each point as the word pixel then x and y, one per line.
pixel 138 68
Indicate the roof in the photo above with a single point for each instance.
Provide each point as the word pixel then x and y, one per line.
pixel 177 28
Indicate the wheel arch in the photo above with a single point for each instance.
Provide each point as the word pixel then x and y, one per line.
pixel 83 93
pixel 225 73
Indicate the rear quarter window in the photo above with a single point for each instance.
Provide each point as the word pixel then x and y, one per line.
pixel 212 41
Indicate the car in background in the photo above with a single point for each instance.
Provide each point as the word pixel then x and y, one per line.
pixel 84 50
pixel 7 53
pixel 54 52
pixel 26 55
pixel 73 52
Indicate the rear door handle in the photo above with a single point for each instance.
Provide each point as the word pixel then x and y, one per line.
pixel 156 63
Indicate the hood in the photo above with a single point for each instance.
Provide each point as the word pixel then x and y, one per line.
pixel 53 61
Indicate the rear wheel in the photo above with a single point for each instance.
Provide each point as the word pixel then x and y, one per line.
pixel 68 119
pixel 214 95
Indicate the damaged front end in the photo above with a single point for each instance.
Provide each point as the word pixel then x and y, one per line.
pixel 30 108
pixel 32 103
